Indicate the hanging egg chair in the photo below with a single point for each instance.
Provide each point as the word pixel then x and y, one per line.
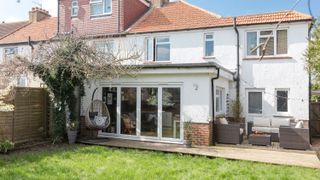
pixel 97 116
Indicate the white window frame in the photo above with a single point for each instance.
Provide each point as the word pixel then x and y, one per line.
pixel 108 45
pixel 221 100
pixel 138 136
pixel 5 54
pixel 205 43
pixel 162 43
pixel 102 2
pixel 276 101
pixel 25 80
pixel 154 45
pixel 274 34
pixel 74 8
pixel 247 101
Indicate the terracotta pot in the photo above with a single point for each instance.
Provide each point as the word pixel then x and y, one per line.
pixel 188 143
pixel 72 136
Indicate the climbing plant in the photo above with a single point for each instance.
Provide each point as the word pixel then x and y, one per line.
pixel 67 63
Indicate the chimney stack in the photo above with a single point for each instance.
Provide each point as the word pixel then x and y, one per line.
pixel 159 3
pixel 38 14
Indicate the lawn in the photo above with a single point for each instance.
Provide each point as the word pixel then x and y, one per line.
pixel 94 162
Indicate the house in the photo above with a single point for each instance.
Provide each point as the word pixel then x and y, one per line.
pixel 23 39
pixel 190 65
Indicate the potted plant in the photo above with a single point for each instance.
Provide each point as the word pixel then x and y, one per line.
pixel 6 146
pixel 237 111
pixel 72 130
pixel 188 134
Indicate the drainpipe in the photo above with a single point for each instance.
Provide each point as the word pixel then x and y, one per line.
pixel 30 44
pixel 238 56
pixel 310 82
pixel 58 25
pixel 213 97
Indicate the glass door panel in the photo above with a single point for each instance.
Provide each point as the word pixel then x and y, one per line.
pixel 149 112
pixel 171 101
pixel 128 111
pixel 109 96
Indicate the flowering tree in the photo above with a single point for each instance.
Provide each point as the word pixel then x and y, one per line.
pixel 66 64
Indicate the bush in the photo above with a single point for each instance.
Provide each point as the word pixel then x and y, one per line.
pixel 6 145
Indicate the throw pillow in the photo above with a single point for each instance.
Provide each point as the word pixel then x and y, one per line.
pixel 100 120
pixel 223 121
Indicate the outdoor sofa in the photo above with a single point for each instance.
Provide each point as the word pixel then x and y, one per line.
pixel 294 138
pixel 227 133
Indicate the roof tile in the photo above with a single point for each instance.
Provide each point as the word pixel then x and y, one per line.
pixel 183 16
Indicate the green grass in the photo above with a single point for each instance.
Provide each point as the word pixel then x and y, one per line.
pixel 93 162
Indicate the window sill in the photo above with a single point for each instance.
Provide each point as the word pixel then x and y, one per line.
pixel 157 62
pixel 209 57
pixel 100 16
pixel 268 58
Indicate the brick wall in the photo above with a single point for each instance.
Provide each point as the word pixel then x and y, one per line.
pixel 202 134
pixel 84 24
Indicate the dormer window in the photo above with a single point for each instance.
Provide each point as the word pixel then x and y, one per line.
pixel 100 7
pixel 74 8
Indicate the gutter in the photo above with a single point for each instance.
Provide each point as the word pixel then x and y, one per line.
pixel 238 57
pixel 213 98
pixel 30 43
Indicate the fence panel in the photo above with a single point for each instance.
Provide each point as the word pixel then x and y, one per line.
pixel 29 120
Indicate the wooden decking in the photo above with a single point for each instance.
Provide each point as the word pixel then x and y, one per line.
pixel 283 157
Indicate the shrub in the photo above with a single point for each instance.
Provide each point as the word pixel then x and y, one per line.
pixel 6 145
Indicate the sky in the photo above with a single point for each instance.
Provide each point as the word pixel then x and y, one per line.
pixel 11 11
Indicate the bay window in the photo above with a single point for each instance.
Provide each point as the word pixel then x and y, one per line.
pixel 100 7
pixel 277 42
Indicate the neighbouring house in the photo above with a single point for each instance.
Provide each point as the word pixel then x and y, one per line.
pixel 190 64
pixel 24 38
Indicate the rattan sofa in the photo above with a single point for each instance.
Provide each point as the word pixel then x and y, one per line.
pixel 228 133
pixel 294 138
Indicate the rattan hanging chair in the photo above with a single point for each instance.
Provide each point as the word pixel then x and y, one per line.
pixel 97 116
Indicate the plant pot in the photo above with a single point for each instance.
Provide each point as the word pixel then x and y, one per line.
pixel 72 136
pixel 188 143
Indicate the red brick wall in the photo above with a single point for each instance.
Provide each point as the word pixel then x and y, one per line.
pixel 202 134
pixel 132 11
pixel 83 24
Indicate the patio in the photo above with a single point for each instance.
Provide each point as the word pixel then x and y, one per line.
pixel 238 152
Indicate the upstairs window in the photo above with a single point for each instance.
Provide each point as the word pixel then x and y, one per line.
pixel 277 43
pixel 10 53
pixel 74 8
pixel 100 7
pixel 209 45
pixel 158 49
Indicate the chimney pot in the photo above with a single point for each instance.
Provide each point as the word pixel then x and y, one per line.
pixel 38 14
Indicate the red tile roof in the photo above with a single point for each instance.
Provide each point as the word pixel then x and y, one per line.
pixel 37 31
pixel 184 16
pixel 6 28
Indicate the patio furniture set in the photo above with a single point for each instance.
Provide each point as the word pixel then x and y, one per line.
pixel 263 131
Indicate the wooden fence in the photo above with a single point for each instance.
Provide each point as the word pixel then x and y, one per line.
pixel 315 120
pixel 30 119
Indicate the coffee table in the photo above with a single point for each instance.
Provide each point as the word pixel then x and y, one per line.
pixel 260 139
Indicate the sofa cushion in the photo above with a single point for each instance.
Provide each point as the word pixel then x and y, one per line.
pixel 261 129
pixel 277 122
pixel 274 130
pixel 299 124
pixel 223 121
pixel 261 122
pixel 241 131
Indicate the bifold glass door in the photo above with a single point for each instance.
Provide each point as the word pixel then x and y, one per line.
pixel 149 112
pixel 153 112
